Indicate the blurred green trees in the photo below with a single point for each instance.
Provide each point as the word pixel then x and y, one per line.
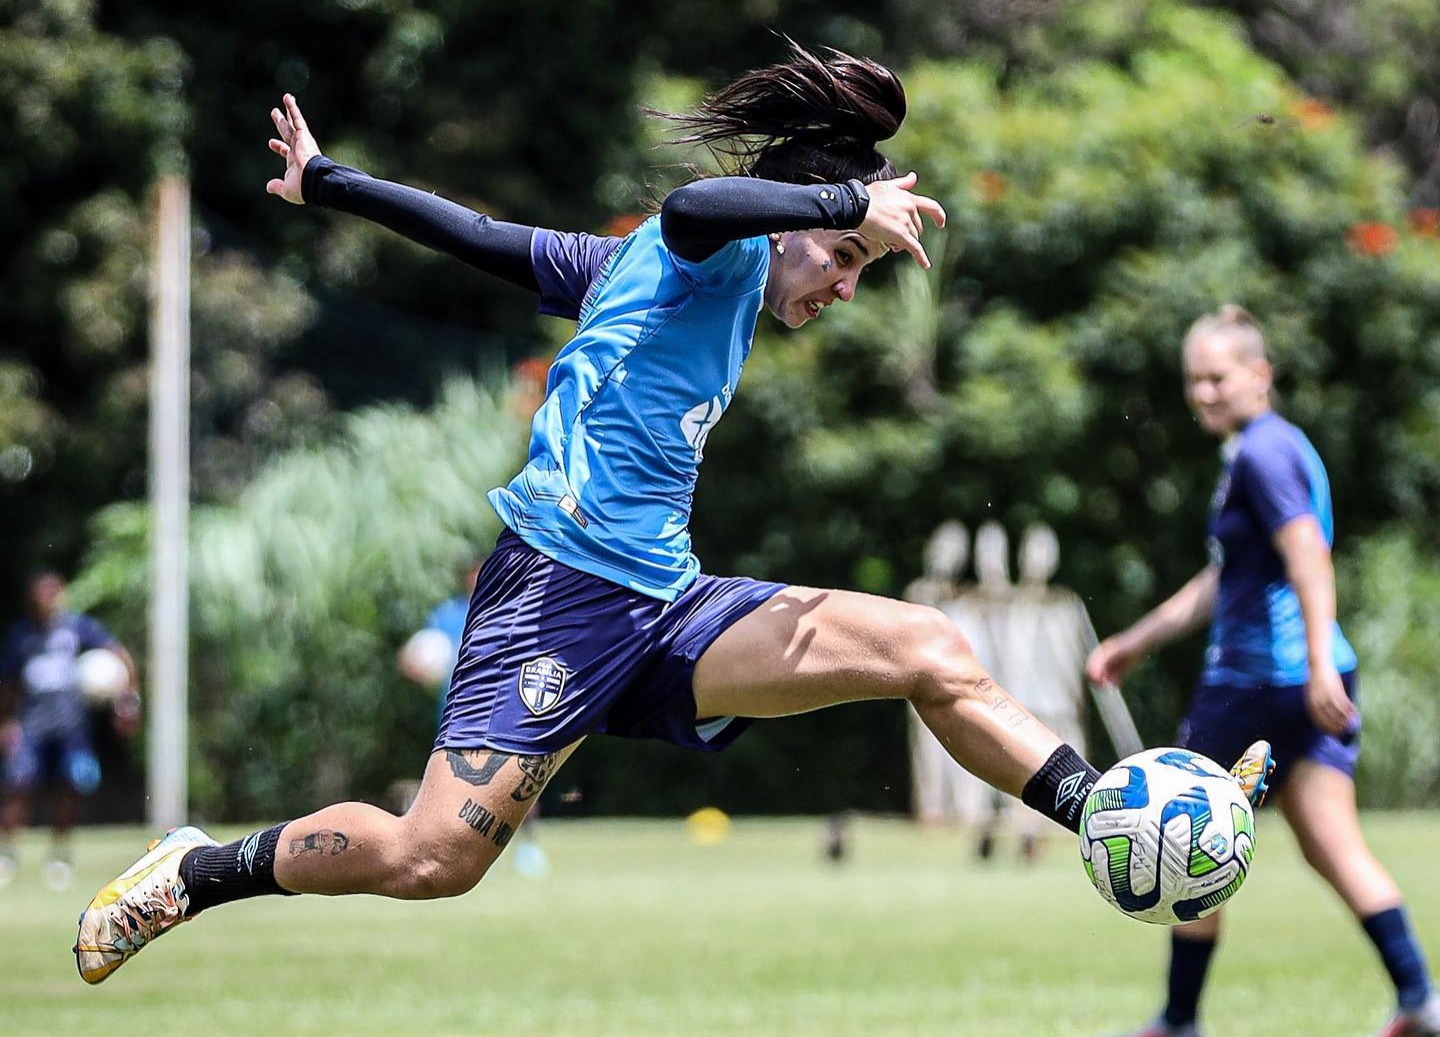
pixel 1111 170
pixel 1096 207
pixel 304 588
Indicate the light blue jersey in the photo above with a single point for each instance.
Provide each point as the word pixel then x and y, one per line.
pixel 615 449
pixel 1272 476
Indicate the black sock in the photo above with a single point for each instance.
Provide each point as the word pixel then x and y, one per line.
pixel 1058 789
pixel 1189 961
pixel 219 874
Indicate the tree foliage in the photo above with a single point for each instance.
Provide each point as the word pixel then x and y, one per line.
pixel 1096 208
pixel 303 589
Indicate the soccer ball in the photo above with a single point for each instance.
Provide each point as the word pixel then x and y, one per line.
pixel 1167 836
pixel 101 675
pixel 427 657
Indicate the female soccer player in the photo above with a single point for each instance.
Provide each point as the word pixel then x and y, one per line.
pixel 1277 664
pixel 592 615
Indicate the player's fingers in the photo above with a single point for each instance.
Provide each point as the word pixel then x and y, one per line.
pixel 913 246
pixel 293 108
pixel 280 147
pixel 930 207
pixel 275 187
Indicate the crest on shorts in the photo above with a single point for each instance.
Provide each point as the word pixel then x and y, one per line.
pixel 542 681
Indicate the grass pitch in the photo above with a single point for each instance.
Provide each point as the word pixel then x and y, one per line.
pixel 635 931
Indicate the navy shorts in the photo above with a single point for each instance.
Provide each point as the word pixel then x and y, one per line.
pixel 552 654
pixel 54 756
pixel 1223 720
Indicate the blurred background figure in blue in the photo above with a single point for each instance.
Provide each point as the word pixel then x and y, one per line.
pixel 54 665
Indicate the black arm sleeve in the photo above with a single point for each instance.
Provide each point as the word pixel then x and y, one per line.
pixel 700 218
pixel 501 249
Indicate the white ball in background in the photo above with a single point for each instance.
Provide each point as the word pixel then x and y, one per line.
pixel 101 675
pixel 428 656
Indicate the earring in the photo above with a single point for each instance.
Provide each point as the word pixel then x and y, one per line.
pixel 779 245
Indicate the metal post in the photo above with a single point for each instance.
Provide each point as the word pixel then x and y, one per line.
pixel 169 503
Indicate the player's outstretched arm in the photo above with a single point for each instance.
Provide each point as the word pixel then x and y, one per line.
pixel 498 248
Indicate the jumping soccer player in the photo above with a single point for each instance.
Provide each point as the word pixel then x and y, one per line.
pixel 592 615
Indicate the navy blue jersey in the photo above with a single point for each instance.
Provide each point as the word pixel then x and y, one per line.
pixel 41 660
pixel 1272 475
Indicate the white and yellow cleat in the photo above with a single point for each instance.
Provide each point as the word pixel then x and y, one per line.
pixel 1253 770
pixel 146 900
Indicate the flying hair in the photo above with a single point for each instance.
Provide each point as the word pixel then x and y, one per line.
pixel 1236 325
pixel 813 118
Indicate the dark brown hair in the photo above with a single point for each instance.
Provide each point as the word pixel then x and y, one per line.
pixel 814 118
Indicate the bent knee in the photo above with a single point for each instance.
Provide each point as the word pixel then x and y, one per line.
pixel 436 868
pixel 942 662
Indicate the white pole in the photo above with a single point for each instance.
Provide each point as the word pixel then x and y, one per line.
pixel 169 502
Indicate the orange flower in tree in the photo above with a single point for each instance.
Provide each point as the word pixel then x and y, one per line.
pixel 530 376
pixel 623 224
pixel 1312 114
pixel 1372 239
pixel 1425 222
pixel 989 186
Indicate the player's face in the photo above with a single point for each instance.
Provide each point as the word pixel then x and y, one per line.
pixel 816 268
pixel 47 596
pixel 1226 390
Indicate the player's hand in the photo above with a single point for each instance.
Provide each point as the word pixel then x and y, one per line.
pixel 125 713
pixel 1327 703
pixel 896 214
pixel 296 145
pixel 1111 660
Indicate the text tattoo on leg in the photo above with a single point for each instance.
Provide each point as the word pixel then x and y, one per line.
pixel 1004 706
pixel 324 843
pixel 486 823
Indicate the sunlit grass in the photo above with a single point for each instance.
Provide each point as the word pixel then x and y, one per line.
pixel 636 931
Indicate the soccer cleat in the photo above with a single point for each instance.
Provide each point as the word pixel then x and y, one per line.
pixel 146 900
pixel 1160 1028
pixel 1253 771
pixel 1421 1022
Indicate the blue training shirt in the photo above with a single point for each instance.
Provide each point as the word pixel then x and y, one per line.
pixel 1272 475
pixel 615 449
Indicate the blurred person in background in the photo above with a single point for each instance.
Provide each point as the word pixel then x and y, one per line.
pixel 419 658
pixel 1277 665
pixel 45 719
pixel 592 616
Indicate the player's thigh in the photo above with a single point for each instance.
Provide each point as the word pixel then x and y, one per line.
pixel 1319 803
pixel 806 648
pixel 472 801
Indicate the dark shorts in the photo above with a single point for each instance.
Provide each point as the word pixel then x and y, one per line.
pixel 551 654
pixel 1223 720
pixel 54 756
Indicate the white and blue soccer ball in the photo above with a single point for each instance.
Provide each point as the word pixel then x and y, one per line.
pixel 1167 836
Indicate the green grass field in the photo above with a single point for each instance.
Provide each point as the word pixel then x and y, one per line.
pixel 636 931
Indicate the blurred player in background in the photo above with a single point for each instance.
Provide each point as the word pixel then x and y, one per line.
pixel 420 659
pixel 592 615
pixel 1277 664
pixel 429 658
pixel 45 720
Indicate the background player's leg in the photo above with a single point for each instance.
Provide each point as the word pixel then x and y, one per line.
pixel 805 649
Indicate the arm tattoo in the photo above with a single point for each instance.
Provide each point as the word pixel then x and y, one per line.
pixel 486 823
pixel 325 843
